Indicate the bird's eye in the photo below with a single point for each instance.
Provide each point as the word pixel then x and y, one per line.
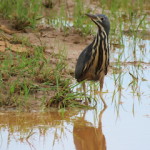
pixel 102 18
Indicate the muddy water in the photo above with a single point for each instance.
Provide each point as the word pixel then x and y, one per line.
pixel 99 129
pixel 124 125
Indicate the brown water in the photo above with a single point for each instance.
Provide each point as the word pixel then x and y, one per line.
pixel 79 129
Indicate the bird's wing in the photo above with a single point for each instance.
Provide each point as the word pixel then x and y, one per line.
pixel 82 61
pixel 107 60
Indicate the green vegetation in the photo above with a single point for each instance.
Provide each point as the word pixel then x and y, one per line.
pixel 123 14
pixel 22 13
pixel 24 76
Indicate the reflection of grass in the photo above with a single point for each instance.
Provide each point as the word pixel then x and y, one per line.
pixel 24 127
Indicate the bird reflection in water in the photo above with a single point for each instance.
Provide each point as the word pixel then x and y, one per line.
pixel 88 137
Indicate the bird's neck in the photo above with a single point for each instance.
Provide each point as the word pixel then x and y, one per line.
pixel 101 35
pixel 102 32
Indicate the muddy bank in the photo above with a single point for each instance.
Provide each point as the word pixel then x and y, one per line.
pixel 54 44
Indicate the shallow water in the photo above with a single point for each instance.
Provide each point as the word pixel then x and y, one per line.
pixel 110 129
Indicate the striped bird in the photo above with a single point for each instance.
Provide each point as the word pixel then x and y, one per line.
pixel 93 61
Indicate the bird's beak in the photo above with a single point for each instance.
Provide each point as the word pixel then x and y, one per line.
pixel 91 16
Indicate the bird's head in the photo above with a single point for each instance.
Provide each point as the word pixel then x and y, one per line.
pixel 101 21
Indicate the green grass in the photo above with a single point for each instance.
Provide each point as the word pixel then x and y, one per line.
pixel 22 13
pixel 123 14
pixel 24 75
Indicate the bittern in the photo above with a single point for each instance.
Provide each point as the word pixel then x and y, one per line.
pixel 93 61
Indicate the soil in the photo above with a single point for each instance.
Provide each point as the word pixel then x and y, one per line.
pixel 53 39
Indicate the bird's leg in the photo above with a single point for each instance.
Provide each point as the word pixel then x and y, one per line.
pixel 84 89
pixel 101 93
pixel 101 84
